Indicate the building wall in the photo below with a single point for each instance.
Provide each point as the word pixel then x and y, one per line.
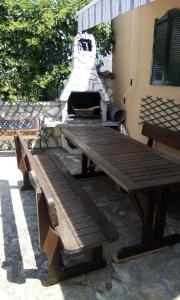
pixel 132 59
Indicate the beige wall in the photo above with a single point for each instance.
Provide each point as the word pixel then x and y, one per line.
pixel 142 20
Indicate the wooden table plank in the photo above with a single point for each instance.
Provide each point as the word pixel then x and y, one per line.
pixel 163 182
pixel 142 170
pixel 131 164
pixel 108 168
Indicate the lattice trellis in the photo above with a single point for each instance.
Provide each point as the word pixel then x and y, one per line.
pixel 19 110
pixel 27 109
pixel 47 138
pixel 13 124
pixel 161 112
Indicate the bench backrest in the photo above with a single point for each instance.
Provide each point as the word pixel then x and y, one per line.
pixel 163 135
pixel 26 125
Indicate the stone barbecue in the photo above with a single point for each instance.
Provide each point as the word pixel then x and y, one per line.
pixel 84 96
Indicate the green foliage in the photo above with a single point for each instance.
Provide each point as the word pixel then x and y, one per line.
pixel 36 39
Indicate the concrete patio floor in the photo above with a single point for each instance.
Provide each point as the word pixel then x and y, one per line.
pixel 23 266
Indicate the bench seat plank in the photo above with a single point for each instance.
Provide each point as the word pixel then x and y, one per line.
pixel 71 206
pixel 65 229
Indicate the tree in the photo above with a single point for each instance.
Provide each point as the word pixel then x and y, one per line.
pixel 36 39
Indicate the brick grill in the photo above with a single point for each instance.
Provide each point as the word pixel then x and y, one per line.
pixel 84 84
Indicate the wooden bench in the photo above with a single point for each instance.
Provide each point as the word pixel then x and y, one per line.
pixel 163 135
pixel 68 220
pixel 28 126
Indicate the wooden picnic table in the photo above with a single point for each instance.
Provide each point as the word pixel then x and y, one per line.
pixel 135 167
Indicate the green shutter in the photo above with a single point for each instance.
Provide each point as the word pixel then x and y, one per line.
pixel 166 50
pixel 173 69
pixel 159 60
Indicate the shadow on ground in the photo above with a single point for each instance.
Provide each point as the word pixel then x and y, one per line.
pixel 13 259
pixel 155 276
pixel 13 262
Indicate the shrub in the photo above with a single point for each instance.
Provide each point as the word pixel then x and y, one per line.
pixel 35 46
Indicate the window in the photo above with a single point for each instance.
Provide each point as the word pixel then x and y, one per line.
pixel 166 50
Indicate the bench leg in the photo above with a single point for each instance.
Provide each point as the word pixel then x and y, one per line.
pixel 64 272
pixel 23 166
pixel 48 240
pixel 55 263
pixel 59 272
pixel 50 245
pixel 25 172
pixel 26 183
pixel 97 254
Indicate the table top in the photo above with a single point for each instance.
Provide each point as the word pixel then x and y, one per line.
pixel 131 164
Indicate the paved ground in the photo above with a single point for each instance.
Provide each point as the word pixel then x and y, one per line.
pixel 23 266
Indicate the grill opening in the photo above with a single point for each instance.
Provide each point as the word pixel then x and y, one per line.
pixel 84 104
